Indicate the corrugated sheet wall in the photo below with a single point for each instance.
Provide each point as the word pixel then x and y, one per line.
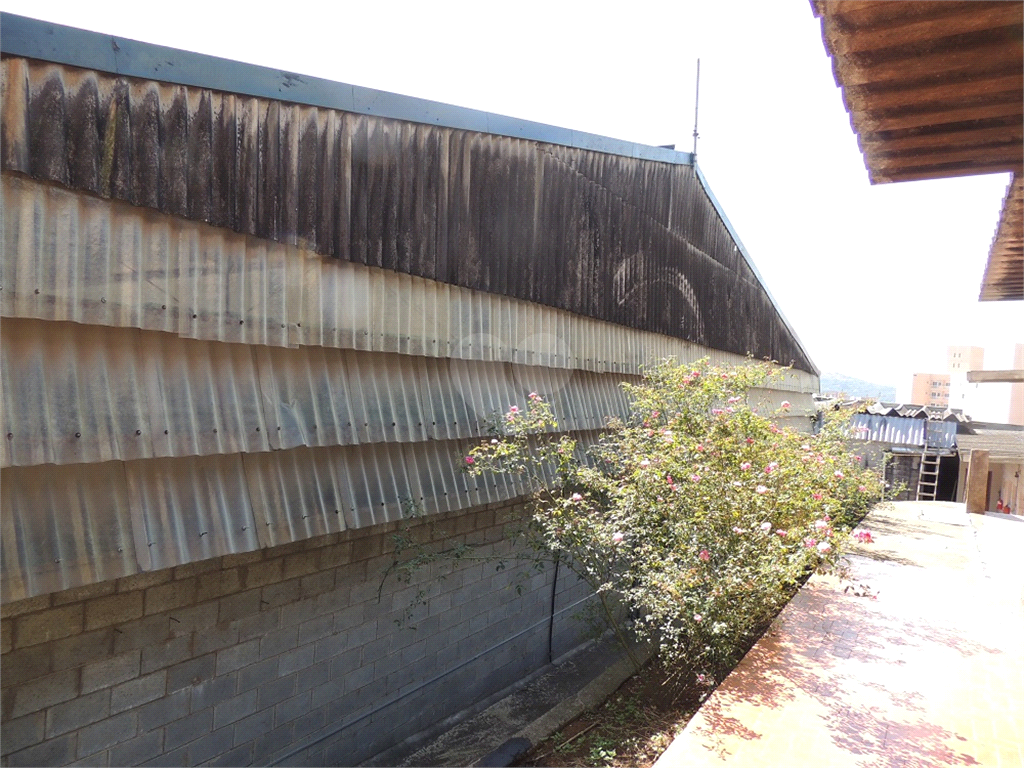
pixel 629 241
pixel 186 373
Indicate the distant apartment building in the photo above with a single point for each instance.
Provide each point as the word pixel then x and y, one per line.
pixel 960 360
pixel 995 402
pixel 962 393
pixel 930 389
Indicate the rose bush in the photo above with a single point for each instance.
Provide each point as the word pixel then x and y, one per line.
pixel 696 518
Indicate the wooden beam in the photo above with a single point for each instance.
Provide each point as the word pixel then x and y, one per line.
pixel 862 14
pixel 896 30
pixel 921 173
pixel 865 97
pixel 979 60
pixel 944 139
pixel 1009 155
pixel 870 121
pixel 986 377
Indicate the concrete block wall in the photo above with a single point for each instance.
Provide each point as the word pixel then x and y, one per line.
pixel 302 654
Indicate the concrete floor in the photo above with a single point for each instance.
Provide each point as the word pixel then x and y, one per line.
pixel 928 673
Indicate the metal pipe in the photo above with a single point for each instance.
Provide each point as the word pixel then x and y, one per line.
pixel 696 106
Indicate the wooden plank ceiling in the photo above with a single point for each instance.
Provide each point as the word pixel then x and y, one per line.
pixel 935 90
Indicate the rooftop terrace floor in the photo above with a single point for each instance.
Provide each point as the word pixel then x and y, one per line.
pixel 929 672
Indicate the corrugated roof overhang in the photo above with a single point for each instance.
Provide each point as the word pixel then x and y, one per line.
pixel 936 90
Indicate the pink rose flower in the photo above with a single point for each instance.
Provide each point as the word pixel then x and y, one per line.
pixel 513 409
pixel 734 400
pixel 839 474
pixel 617 537
pixel 761 489
pixel 698 618
pixel 824 547
pixel 766 526
pixel 737 530
pixel 700 448
pixel 704 555
pixel 786 404
pixel 781 533
pixel 746 465
pixel 694 478
pixel 817 496
pixel 809 542
pixel 469 460
pixel 862 488
pixel 750 441
pixel 717 411
pixel 577 497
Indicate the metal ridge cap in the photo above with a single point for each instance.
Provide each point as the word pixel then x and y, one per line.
pixel 71 46
pixel 753 267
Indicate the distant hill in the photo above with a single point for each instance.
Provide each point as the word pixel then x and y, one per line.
pixel 834 383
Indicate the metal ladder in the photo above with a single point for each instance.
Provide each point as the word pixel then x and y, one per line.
pixel 928 476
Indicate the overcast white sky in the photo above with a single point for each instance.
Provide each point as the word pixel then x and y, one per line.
pixel 876 280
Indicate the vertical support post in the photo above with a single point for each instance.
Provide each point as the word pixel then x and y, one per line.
pixel 977 482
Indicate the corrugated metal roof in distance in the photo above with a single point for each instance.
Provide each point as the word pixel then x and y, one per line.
pixel 903 431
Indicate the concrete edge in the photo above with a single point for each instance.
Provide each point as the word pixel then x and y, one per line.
pixel 588 698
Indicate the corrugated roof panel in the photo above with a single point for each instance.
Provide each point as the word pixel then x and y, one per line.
pixel 446 413
pixel 435 468
pixel 191 508
pixel 204 396
pixel 72 257
pixel 306 397
pixel 135 267
pixel 297 494
pixel 63 527
pixel 237 289
pixel 384 397
pixel 488 390
pixel 70 395
pixel 77 393
pixel 68 256
pixel 379 486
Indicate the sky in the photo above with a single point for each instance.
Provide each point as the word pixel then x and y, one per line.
pixel 875 280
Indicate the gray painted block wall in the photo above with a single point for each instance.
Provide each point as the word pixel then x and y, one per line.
pixel 281 656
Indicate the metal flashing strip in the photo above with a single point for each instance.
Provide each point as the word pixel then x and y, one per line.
pixel 46 41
